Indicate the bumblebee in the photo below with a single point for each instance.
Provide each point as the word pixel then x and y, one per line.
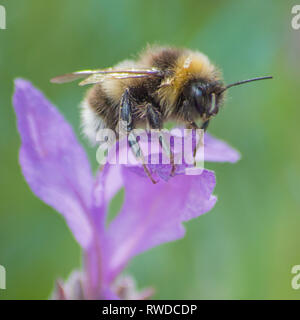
pixel 163 84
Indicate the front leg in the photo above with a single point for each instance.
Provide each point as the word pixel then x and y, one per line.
pixel 126 123
pixel 193 125
pixel 204 125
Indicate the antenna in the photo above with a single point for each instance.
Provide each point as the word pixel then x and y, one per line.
pixel 245 81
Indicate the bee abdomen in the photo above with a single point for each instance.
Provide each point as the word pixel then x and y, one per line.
pixel 91 122
pixel 98 112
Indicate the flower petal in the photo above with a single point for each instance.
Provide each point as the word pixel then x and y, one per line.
pixel 53 163
pixel 153 214
pixel 113 182
pixel 107 182
pixel 216 150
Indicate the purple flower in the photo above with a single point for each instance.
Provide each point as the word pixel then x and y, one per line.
pixel 57 170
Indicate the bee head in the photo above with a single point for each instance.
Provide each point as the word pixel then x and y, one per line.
pixel 206 97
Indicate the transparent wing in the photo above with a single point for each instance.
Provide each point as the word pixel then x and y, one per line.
pixel 96 76
pixel 72 76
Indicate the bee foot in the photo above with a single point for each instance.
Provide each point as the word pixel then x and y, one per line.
pixel 172 173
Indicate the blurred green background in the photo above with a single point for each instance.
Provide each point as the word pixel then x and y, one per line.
pixel 246 246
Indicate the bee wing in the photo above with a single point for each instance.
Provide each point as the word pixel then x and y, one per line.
pixel 96 76
pixel 102 75
pixel 73 76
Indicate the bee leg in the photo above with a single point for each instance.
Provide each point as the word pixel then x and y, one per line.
pixel 171 160
pixel 193 125
pixel 126 123
pixel 125 113
pixel 204 125
pixel 137 151
pixel 155 122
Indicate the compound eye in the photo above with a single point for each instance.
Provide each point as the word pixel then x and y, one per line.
pixel 199 92
pixel 196 91
pixel 198 95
